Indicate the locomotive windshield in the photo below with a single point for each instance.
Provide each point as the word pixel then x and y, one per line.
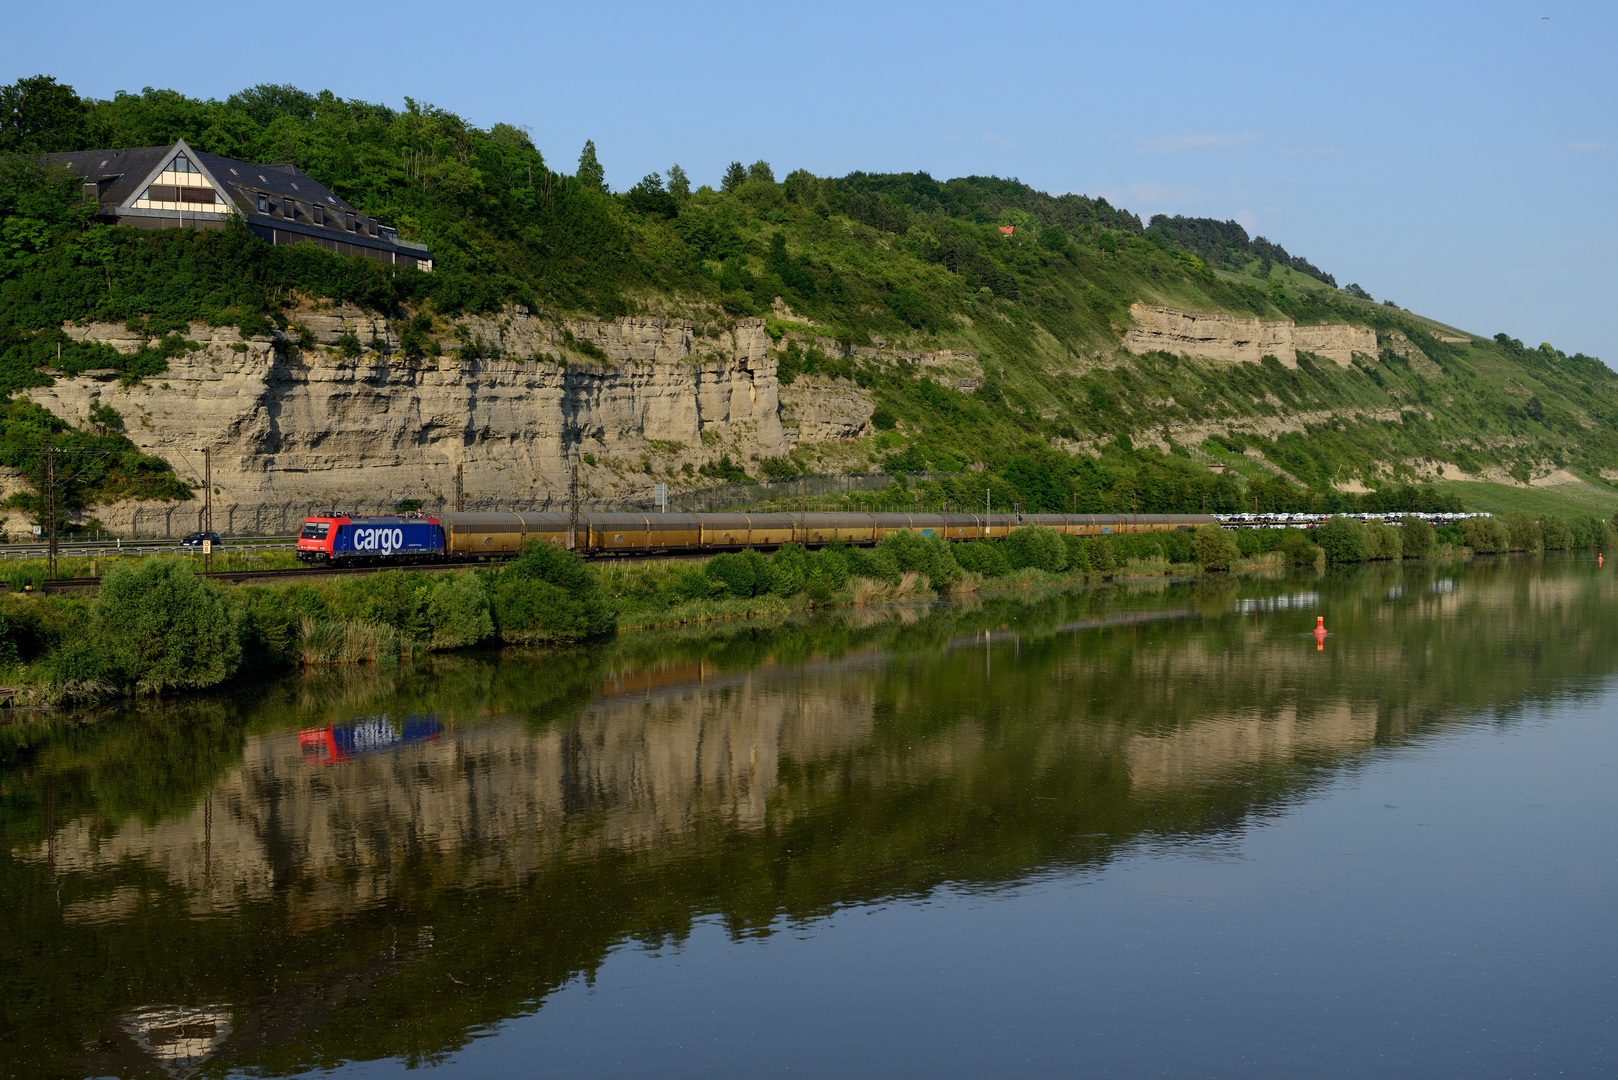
pixel 315 530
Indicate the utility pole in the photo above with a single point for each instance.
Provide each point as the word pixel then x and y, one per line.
pixel 460 492
pixel 573 510
pixel 50 513
pixel 207 510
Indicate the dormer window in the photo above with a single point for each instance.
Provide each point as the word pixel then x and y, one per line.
pixel 263 205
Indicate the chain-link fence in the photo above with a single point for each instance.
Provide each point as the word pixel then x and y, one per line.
pixel 285 518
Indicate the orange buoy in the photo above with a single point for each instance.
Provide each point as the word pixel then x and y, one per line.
pixel 1599 559
pixel 1320 633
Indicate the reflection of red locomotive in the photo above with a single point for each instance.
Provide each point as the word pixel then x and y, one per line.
pixel 372 734
pixel 450 536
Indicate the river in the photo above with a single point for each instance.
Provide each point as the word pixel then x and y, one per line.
pixel 1148 830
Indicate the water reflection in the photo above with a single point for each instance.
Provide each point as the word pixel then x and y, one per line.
pixel 1283 602
pixel 176 1037
pixel 369 735
pixel 330 854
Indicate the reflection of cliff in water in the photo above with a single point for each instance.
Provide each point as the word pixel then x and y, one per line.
pixel 566 803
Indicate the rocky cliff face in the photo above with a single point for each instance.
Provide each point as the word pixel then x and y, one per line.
pixel 1235 340
pixel 512 401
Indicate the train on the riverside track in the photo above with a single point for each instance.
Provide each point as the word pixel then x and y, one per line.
pixel 351 540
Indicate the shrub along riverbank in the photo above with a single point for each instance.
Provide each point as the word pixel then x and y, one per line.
pixel 157 627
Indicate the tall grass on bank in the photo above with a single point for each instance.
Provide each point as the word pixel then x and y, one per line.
pixel 159 628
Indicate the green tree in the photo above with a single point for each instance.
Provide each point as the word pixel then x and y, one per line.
pixel 986 557
pixel 735 176
pixel 592 177
pixel 458 611
pixel 1382 541
pixel 1418 540
pixel 1557 535
pixel 1525 533
pixel 789 570
pixel 166 628
pixel 1485 535
pixel 927 555
pixel 39 115
pixel 1214 548
pixel 679 183
pixel 1342 539
pixel 761 172
pixel 649 198
pixel 1036 547
pixel 743 573
pixel 548 594
pixel 1299 548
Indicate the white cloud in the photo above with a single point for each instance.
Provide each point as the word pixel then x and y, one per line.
pixel 1248 220
pixel 1190 141
pixel 1589 147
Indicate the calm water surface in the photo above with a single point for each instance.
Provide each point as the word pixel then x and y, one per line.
pixel 1156 831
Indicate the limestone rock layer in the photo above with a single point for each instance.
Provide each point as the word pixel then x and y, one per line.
pixel 512 400
pixel 1237 340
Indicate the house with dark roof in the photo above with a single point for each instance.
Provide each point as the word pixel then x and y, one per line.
pixel 166 187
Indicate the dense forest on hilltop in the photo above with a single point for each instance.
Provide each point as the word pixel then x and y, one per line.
pixel 1039 286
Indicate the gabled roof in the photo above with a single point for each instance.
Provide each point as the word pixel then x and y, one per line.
pixel 132 170
pixel 124 168
pixel 122 176
pixel 285 181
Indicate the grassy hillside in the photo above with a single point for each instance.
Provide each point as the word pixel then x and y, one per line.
pixel 903 263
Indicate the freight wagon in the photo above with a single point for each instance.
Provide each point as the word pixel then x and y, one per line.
pixel 350 540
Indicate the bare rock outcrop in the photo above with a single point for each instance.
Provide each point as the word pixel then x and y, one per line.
pixel 1247 341
pixel 512 400
pixel 817 409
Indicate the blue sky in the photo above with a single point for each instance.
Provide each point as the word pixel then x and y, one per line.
pixel 1458 158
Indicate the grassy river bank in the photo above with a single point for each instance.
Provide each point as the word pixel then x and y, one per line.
pixel 158 628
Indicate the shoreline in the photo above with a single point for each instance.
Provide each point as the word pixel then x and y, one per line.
pixel 757 612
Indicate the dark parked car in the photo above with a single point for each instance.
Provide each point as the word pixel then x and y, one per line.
pixel 195 539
